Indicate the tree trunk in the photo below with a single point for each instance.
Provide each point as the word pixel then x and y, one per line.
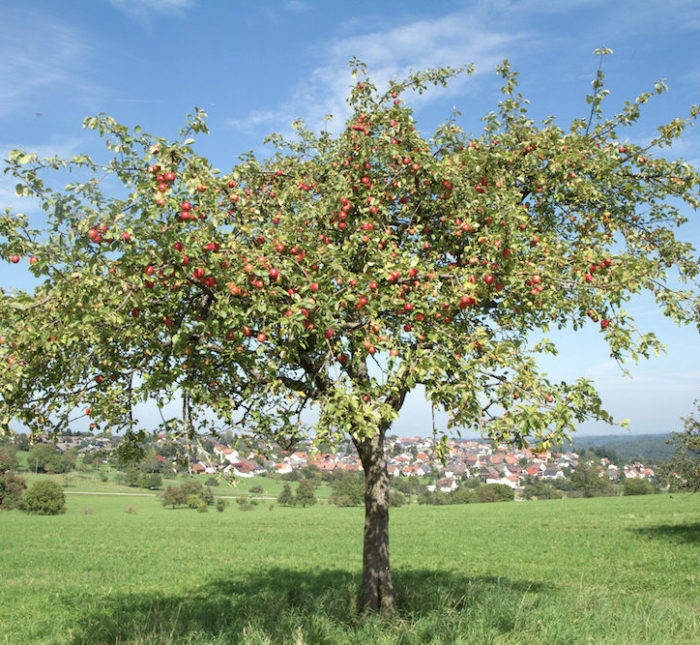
pixel 377 590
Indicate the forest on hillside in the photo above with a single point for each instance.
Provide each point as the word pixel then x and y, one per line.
pixel 649 449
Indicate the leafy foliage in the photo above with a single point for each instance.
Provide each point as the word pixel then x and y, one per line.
pixel 396 499
pixel 590 481
pixel 686 461
pixel 495 493
pixel 286 496
pixel 8 457
pixel 44 498
pixel 649 449
pixel 150 481
pixel 637 487
pixel 348 489
pixel 12 489
pixel 305 495
pixel 536 488
pixel 344 270
pixel 173 496
pixel 46 458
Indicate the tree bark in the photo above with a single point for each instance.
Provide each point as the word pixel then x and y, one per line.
pixel 377 590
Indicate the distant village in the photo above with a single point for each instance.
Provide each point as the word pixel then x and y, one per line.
pixel 406 457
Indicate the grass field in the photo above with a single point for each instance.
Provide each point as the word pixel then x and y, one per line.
pixel 90 481
pixel 613 570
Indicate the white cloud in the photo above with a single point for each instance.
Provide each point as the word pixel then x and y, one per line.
pixel 452 40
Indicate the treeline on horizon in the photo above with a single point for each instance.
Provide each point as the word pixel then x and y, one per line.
pixel 649 449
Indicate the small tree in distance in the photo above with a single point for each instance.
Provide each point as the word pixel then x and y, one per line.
pixel 343 272
pixel 286 497
pixel 305 495
pixel 685 465
pixel 173 496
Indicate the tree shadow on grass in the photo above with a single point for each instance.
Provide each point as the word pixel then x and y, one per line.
pixel 678 533
pixel 282 605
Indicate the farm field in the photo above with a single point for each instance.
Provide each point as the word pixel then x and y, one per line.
pixel 614 570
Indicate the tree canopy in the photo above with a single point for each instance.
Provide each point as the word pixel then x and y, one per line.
pixel 685 466
pixel 344 271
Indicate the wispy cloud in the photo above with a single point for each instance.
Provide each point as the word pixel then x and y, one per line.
pixel 37 55
pixel 143 8
pixel 296 6
pixel 455 39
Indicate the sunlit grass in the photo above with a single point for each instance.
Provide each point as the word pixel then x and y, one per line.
pixel 616 570
pixel 91 481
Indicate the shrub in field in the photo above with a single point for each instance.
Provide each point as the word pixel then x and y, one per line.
pixel 536 488
pixel 212 481
pixel 436 498
pixel 341 501
pixel 44 498
pixel 12 489
pixel 221 504
pixel 463 495
pixel 245 504
pixel 637 487
pixel 150 481
pixel 408 485
pixel 257 490
pixel 194 487
pixel 495 493
pixel 396 499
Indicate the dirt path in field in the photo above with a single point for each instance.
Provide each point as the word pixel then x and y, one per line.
pixel 90 492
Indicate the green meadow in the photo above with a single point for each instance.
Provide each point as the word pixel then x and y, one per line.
pixel 77 482
pixel 126 570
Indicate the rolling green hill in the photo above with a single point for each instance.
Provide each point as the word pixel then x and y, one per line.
pixel 649 449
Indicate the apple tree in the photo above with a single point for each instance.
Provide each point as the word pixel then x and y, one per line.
pixel 341 273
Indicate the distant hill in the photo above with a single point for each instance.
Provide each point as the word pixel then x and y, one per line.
pixel 649 448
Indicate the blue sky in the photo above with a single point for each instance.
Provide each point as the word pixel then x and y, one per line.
pixel 254 67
